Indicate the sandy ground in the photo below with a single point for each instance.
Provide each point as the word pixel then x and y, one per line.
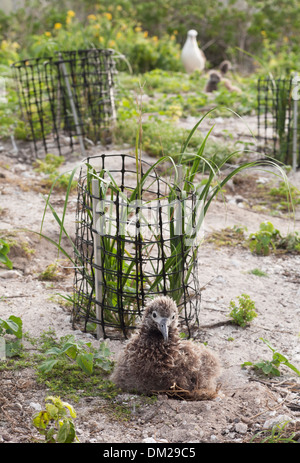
pixel 246 403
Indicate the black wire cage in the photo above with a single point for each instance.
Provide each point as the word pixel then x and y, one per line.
pixel 67 99
pixel 278 121
pixel 136 237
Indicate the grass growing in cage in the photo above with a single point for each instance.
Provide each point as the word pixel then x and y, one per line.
pixel 119 258
pixel 181 253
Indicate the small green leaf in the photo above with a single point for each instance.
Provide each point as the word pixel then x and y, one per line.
pixel 16 329
pixel 47 366
pixel 63 432
pixel 53 351
pixel 49 436
pixel 41 420
pixel 70 408
pixel 85 361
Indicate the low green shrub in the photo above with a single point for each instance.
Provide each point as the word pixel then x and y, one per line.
pixel 269 239
pixel 244 312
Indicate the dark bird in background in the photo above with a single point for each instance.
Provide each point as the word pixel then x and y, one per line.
pixel 216 77
pixel 156 359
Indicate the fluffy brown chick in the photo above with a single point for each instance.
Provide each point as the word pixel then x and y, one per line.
pixel 155 358
pixel 214 78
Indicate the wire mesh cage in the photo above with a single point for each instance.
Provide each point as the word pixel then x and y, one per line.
pixel 136 237
pixel 278 130
pixel 67 98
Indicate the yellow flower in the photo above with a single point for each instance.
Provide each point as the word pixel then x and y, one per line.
pixel 57 26
pixel 138 29
pixel 263 33
pixel 108 16
pixel 119 8
pixel 155 38
pixel 285 39
pixel 92 17
pixel 146 34
pixel 68 20
pixel 119 35
pixel 48 34
pixel 101 39
pixel 111 43
pixel 71 13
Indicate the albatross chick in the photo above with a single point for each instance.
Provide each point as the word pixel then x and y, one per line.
pixel 155 359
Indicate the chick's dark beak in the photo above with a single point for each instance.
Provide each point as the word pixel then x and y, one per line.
pixel 163 327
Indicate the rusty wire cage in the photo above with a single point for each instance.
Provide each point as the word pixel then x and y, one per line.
pixel 135 239
pixel 67 99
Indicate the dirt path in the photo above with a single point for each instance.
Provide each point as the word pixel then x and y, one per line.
pixel 245 403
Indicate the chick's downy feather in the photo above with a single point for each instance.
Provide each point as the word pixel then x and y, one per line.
pixel 155 359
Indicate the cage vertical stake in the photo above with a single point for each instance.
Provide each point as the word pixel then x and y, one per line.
pixel 73 107
pixel 295 122
pixel 97 253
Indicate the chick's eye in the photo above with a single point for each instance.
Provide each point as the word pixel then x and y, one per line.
pixel 154 315
pixel 173 316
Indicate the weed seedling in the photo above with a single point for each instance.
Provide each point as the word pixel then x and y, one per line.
pixel 278 434
pixel 81 353
pixel 259 273
pixel 271 367
pixel 244 312
pixel 55 422
pixel 264 240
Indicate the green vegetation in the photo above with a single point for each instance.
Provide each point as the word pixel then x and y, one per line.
pixel 4 250
pixel 229 236
pixel 56 422
pixel 50 273
pixel 11 333
pixel 269 239
pixel 271 367
pixel 285 196
pixel 150 49
pixel 258 272
pixel 50 167
pixel 279 434
pixel 67 366
pixel 244 312
pixel 265 241
pixel 149 33
pixel 79 352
